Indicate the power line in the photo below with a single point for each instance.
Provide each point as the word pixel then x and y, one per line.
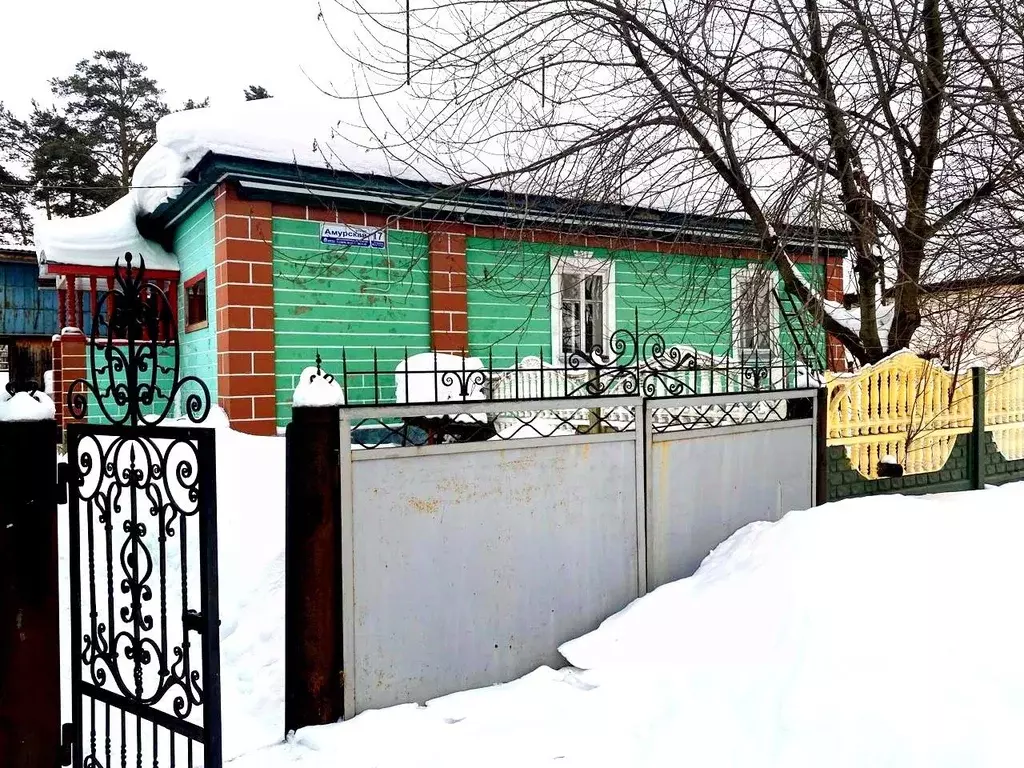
pixel 84 187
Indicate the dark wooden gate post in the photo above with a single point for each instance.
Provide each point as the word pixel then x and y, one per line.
pixel 313 659
pixel 29 612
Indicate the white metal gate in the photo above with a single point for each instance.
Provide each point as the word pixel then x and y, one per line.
pixel 468 564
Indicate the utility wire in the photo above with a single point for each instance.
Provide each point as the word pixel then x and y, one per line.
pixel 65 187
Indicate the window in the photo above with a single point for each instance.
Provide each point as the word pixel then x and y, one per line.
pixel 195 303
pixel 754 318
pixel 582 301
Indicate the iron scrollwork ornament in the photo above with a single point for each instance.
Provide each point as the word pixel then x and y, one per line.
pixel 637 365
pixel 134 375
pixel 619 368
pixel 139 496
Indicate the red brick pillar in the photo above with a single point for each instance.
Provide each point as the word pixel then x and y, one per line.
pixel 72 367
pixel 835 351
pixel 449 309
pixel 245 312
pixel 56 365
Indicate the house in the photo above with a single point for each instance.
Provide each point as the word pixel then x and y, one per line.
pixel 973 321
pixel 968 321
pixel 28 318
pixel 271 257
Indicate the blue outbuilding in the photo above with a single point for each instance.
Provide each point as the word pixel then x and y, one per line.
pixel 28 317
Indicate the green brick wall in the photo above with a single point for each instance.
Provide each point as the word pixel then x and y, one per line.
pixel 508 286
pixel 331 298
pixel 845 482
pixel 687 299
pixel 194 246
pixel 111 377
pixel 999 470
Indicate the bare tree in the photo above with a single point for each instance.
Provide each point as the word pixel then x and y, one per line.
pixel 897 123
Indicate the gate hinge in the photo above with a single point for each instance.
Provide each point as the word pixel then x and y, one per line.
pixel 62 483
pixel 67 739
pixel 193 621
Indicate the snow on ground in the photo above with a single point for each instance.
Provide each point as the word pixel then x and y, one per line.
pixel 436 377
pixel 870 632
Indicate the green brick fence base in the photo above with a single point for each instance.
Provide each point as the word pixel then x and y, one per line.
pixel 844 482
pixel 999 470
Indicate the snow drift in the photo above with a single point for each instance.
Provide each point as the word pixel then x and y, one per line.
pixel 865 633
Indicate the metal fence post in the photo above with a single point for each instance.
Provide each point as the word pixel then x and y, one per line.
pixel 313 640
pixel 30 728
pixel 977 461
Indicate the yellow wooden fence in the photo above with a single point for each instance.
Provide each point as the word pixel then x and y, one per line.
pixel 903 407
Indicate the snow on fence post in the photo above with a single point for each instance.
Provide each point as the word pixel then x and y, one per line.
pixel 313 660
pixel 30 727
pixel 977 461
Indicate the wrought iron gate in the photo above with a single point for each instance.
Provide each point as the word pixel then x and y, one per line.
pixel 145 678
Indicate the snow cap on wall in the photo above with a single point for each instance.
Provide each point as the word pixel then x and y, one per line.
pixel 23 406
pixel 317 390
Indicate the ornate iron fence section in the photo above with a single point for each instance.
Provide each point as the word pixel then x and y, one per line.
pixel 497 399
pixel 144 625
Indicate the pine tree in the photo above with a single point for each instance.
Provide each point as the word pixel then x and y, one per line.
pixel 193 104
pixel 15 222
pixel 113 103
pixel 256 92
pixel 64 166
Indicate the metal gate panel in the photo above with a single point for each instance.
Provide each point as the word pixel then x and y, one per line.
pixel 145 680
pixel 145 644
pixel 707 484
pixel 470 567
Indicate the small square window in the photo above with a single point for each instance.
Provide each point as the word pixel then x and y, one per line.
pixel 195 303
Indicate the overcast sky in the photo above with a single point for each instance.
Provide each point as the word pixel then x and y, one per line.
pixel 193 48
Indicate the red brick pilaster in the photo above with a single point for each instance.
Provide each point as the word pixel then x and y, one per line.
pixel 449 309
pixel 245 312
pixel 835 351
pixel 57 366
pixel 70 350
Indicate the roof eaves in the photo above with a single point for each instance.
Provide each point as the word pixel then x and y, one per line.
pixel 288 182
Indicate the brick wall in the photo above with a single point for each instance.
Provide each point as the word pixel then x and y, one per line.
pixel 449 310
pixel 70 351
pixel 243 258
pixel 835 351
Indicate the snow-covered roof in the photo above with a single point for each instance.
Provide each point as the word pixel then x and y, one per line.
pixel 273 130
pixel 99 240
pixel 12 248
pixel 309 134
pixel 16 253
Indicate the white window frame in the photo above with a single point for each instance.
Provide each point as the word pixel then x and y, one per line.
pixel 581 262
pixel 739 277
